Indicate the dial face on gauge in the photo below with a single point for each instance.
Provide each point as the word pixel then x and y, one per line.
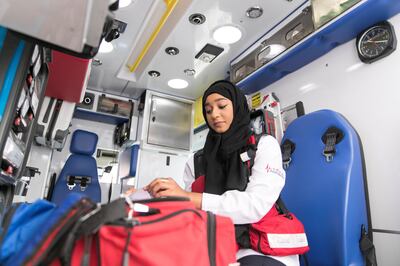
pixel 376 42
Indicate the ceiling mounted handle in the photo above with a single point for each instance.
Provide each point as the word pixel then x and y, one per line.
pixel 170 4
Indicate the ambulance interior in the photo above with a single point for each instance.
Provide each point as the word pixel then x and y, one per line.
pixel 123 85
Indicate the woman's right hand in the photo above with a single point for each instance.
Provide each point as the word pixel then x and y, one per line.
pixel 165 186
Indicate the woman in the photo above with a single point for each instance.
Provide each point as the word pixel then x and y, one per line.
pixel 225 191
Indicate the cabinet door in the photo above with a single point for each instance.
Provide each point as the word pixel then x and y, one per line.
pixel 153 164
pixel 170 123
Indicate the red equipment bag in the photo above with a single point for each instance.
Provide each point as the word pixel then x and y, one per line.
pixel 279 233
pixel 170 231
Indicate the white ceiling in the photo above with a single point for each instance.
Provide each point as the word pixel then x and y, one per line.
pixel 188 38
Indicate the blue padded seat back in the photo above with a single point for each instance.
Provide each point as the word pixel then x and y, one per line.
pixel 79 163
pixel 128 161
pixel 83 142
pixel 328 197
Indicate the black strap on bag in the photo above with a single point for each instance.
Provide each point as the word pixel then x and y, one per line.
pixel 110 212
pixel 86 250
pixel 331 137
pixel 211 237
pixel 287 149
pixel 282 208
pixel 89 224
pixel 125 258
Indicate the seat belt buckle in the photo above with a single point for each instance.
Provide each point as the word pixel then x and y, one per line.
pixel 286 163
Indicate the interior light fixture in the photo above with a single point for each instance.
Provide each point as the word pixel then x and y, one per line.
pixel 178 83
pixel 124 3
pixel 227 34
pixel 269 52
pixel 105 47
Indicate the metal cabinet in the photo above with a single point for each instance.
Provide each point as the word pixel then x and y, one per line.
pixel 167 123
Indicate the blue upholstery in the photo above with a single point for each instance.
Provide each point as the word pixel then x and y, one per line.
pixel 340 31
pixel 128 161
pixel 79 163
pixel 83 142
pixel 328 197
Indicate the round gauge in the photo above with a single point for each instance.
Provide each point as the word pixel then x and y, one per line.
pixel 376 42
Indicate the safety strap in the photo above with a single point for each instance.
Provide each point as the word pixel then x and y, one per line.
pixel 330 138
pixel 367 247
pixel 82 180
pixel 282 208
pixel 287 148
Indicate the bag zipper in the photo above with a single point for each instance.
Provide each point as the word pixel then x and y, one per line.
pixel 168 217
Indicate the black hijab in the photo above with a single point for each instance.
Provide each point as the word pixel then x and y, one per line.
pixel 223 166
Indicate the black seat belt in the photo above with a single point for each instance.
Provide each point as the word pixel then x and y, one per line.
pixel 287 148
pixel 330 138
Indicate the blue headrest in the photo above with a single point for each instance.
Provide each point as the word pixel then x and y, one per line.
pixel 83 142
pixel 328 197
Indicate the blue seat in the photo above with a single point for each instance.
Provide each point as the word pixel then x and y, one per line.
pixel 79 173
pixel 329 197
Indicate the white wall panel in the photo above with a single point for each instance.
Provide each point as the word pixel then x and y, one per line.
pixel 387 249
pixel 39 157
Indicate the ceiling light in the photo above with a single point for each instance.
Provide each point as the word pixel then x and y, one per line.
pixel 178 83
pixel 269 52
pixel 105 47
pixel 227 34
pixel 254 12
pixel 124 3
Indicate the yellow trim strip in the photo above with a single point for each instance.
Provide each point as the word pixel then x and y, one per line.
pixel 170 6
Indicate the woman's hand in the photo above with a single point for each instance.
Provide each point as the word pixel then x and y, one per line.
pixel 165 186
pixel 130 191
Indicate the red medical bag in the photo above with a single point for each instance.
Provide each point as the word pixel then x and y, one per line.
pixel 171 232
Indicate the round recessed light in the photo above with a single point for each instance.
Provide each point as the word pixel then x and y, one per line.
pixel 178 83
pixel 172 50
pixel 189 72
pixel 254 12
pixel 227 34
pixel 153 73
pixel 105 47
pixel 124 3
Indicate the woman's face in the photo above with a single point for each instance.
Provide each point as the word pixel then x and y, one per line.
pixel 219 112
